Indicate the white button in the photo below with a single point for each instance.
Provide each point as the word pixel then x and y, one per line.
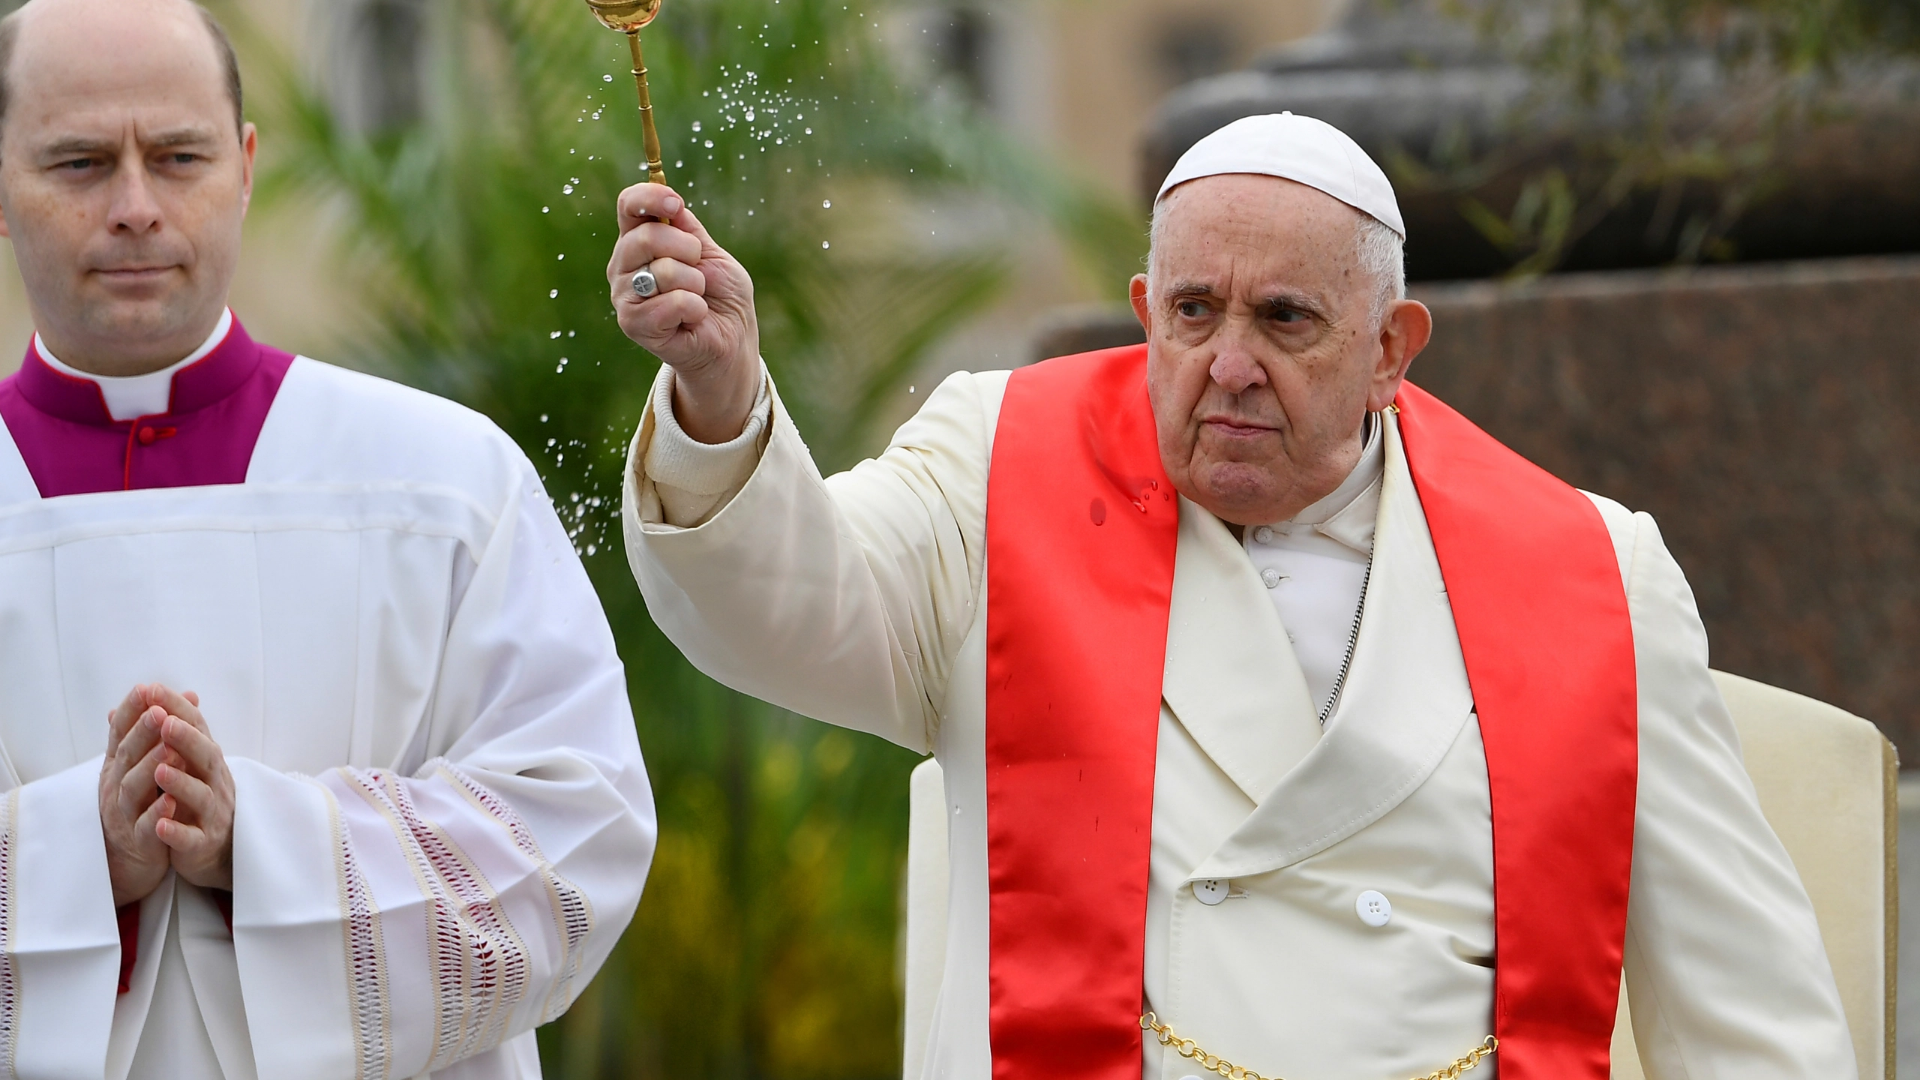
pixel 1263 535
pixel 1373 908
pixel 1210 891
pixel 1272 577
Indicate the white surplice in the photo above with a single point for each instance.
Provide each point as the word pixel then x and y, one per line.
pixel 442 819
pixel 858 600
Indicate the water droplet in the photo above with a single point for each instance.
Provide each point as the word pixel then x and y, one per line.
pixel 543 418
pixel 709 144
pixel 809 131
pixel 696 127
pixel 591 549
pixel 749 116
pixel 606 78
pixel 1097 511
pixel 546 209
pixel 554 295
pixel 563 256
pixel 566 189
pixel 824 245
pixel 826 204
pixel 913 389
pixel 553 335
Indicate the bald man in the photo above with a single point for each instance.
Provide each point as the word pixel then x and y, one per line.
pixel 317 753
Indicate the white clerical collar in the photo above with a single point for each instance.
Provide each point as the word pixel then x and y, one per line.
pixel 1365 472
pixel 1346 516
pixel 130 397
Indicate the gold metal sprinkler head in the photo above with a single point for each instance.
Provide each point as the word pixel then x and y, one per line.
pixel 625 16
pixel 628 16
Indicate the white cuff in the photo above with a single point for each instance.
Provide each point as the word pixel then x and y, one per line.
pixel 62 940
pixel 677 460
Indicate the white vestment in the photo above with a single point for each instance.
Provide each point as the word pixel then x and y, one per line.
pixel 442 820
pixel 859 600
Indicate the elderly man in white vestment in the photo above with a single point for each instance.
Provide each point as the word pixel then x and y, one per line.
pixel 1287 721
pixel 371 802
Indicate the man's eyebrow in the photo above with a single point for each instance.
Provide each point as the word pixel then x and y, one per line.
pixel 1191 288
pixel 76 144
pixel 1304 302
pixel 185 136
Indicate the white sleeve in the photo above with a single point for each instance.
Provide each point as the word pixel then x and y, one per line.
pixel 390 923
pixel 1726 973
pixel 844 599
pixel 690 479
pixel 59 939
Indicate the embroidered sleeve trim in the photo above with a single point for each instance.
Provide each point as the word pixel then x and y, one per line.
pixel 479 963
pixel 9 971
pixel 572 911
pixel 366 957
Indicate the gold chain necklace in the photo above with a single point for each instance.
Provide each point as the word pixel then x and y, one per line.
pixel 1187 1048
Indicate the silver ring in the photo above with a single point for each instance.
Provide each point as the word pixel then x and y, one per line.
pixel 645 284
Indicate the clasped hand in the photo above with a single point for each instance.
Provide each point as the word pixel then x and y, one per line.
pixel 166 797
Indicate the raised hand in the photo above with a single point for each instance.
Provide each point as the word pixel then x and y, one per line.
pixel 130 807
pixel 196 804
pixel 700 321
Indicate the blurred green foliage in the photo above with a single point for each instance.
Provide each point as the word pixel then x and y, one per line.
pixel 477 239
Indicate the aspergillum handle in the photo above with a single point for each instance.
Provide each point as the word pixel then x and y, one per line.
pixel 656 173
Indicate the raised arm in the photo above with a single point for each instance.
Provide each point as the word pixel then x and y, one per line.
pixel 845 599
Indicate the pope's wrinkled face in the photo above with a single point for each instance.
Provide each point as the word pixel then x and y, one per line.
pixel 1265 345
pixel 124 179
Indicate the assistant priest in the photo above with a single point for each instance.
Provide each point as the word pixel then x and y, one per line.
pixel 1285 716
pixel 316 759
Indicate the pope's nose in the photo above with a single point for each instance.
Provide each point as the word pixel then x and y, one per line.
pixel 1235 371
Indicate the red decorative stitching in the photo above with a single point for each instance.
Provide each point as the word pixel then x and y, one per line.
pixel 480 964
pixel 572 911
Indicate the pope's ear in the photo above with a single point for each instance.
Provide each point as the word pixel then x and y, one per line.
pixel 1137 294
pixel 1406 331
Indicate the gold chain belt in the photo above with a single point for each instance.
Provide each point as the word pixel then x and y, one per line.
pixel 1187 1048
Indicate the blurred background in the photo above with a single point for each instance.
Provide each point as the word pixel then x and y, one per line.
pixel 1667 243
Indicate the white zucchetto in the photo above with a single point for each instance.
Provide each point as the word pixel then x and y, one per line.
pixel 1298 148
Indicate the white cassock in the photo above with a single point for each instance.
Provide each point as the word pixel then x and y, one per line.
pixel 858 599
pixel 442 822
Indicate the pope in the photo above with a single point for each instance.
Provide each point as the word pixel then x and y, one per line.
pixel 316 753
pixel 1279 707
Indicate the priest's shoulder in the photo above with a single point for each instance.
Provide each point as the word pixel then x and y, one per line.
pixel 963 409
pixel 349 425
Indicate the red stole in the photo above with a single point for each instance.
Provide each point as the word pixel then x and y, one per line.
pixel 1081 531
